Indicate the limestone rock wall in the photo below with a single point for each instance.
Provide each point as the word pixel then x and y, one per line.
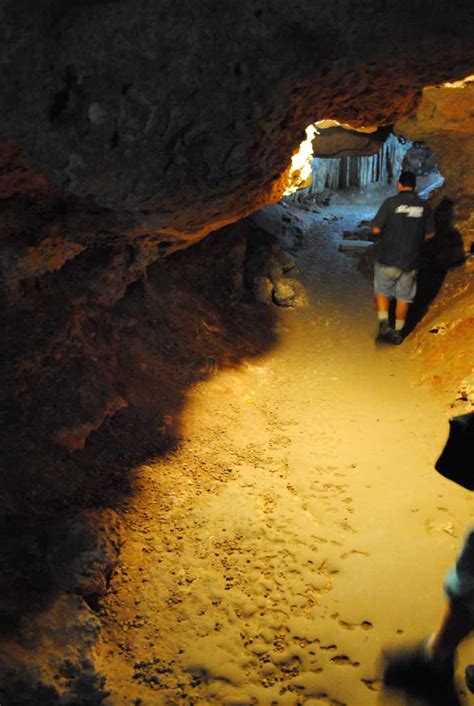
pixel 190 111
pixel 51 659
pixel 339 141
pixel 444 120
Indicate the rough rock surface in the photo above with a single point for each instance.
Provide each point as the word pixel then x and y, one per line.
pixel 444 120
pixel 151 106
pixel 268 263
pixel 51 660
pixel 24 574
pixel 445 338
pixel 84 551
pixel 262 289
pixel 340 142
pixel 76 553
pixel 73 357
pixel 284 294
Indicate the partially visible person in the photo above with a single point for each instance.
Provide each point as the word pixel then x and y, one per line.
pixel 427 671
pixel 403 222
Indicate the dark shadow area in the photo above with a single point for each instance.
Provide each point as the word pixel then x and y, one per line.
pixel 415 681
pixel 428 285
pixel 439 254
pixel 25 581
pixel 404 699
pixel 94 391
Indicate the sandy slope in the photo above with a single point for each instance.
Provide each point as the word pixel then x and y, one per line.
pixel 300 526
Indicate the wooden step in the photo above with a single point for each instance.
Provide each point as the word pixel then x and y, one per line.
pixel 354 245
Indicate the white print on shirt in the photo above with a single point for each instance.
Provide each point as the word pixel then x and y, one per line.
pixel 411 211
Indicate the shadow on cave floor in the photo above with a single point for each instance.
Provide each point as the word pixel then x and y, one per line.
pixel 190 317
pixel 187 318
pixel 428 285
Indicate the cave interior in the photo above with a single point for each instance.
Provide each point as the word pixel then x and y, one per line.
pixel 154 236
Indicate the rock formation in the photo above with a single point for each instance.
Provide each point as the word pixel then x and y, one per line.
pixel 444 120
pixel 146 107
pixel 51 660
pixel 338 141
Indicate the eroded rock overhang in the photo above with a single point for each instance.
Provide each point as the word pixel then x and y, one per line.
pixel 187 114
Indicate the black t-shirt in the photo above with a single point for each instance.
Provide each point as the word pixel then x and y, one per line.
pixel 404 220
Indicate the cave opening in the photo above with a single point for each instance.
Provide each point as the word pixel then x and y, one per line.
pixel 342 175
pixel 361 167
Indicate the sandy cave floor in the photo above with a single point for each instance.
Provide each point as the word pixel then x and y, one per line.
pixel 300 526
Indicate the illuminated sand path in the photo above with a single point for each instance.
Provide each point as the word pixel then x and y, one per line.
pixel 299 527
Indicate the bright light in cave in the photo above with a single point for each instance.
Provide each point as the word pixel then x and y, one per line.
pixel 463 83
pixel 301 163
pixel 300 172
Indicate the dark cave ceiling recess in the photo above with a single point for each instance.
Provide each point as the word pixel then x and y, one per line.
pixel 190 110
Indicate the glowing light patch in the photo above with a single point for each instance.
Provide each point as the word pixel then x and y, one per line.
pixel 300 173
pixel 301 163
pixel 459 84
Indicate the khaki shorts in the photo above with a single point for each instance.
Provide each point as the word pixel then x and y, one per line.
pixel 395 283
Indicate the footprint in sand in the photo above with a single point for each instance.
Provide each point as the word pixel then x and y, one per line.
pixel 364 625
pixel 351 552
pixel 344 661
pixel 373 684
pixel 328 648
pixel 347 528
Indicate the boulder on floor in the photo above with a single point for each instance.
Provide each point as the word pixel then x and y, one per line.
pixel 262 290
pixel 284 293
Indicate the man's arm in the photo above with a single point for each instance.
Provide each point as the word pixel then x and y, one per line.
pixel 430 227
pixel 380 219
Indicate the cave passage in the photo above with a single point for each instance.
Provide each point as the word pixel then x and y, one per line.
pixel 216 489
pixel 300 526
pixel 351 174
pixel 363 166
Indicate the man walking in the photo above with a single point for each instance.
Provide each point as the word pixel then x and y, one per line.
pixel 403 222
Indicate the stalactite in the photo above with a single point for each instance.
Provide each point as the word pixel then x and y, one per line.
pixel 344 172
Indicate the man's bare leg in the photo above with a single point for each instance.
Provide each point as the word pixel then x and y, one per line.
pixel 455 627
pixel 382 303
pixel 401 311
pixel 428 669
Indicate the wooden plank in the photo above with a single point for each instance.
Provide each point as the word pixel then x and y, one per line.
pixel 354 245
